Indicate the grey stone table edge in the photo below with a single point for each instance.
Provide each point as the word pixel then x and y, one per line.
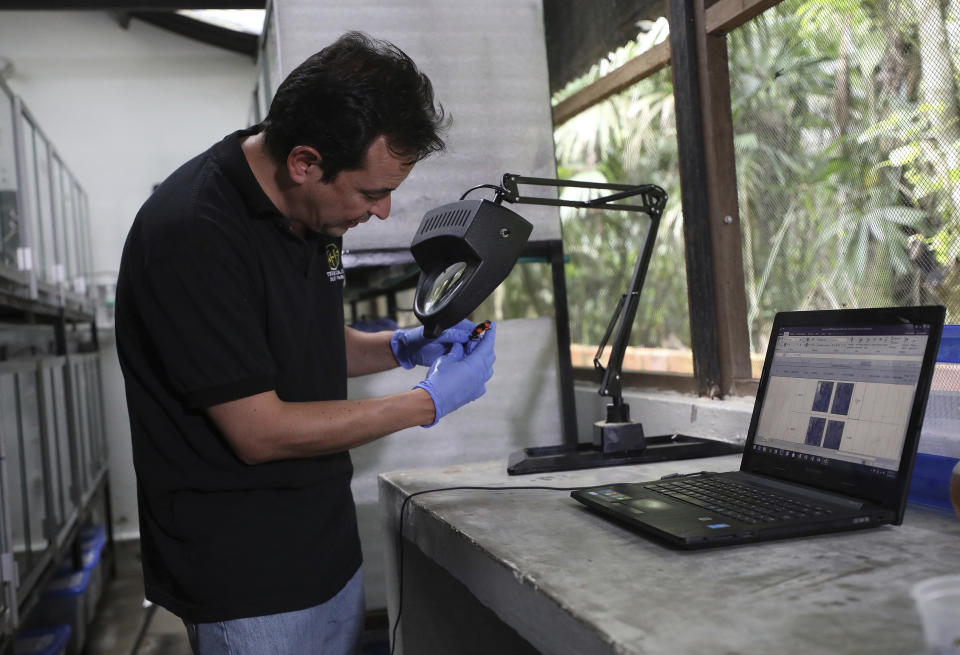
pixel 572 582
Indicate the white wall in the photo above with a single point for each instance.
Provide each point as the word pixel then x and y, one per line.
pixel 123 107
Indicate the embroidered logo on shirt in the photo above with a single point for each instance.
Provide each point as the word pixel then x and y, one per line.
pixel 335 274
pixel 333 256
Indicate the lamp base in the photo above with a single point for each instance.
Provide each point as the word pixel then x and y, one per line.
pixel 612 437
pixel 543 459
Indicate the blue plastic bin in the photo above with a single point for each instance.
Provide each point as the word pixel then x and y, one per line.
pixel 93 536
pixel 91 564
pixel 92 541
pixel 42 641
pixel 950 345
pixel 939 449
pixel 64 602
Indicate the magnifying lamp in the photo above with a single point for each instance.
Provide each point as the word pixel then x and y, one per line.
pixel 464 250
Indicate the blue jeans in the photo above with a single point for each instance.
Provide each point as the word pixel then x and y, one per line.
pixel 332 628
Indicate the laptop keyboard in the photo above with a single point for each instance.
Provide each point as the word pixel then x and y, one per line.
pixel 739 501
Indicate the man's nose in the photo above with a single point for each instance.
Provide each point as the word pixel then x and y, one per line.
pixel 381 208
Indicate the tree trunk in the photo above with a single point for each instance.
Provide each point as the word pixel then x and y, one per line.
pixel 841 90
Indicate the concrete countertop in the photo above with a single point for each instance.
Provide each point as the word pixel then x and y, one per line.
pixel 570 581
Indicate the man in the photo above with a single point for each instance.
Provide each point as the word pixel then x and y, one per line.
pixel 235 357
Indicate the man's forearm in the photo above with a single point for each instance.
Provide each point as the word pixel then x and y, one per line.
pixel 368 352
pixel 263 428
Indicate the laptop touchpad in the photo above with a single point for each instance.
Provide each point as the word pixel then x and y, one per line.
pixel 649 504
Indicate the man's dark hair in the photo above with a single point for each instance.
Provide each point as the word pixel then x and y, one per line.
pixel 345 96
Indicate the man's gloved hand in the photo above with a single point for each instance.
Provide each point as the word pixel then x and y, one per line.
pixel 411 348
pixel 459 377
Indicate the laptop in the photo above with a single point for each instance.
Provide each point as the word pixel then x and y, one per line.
pixel 831 442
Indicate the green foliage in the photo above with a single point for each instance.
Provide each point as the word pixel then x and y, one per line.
pixel 629 138
pixel 847 140
pixel 847 175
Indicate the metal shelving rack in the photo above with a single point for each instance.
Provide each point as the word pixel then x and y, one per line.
pixel 53 454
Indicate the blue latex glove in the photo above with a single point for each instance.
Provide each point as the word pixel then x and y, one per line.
pixel 411 348
pixel 459 377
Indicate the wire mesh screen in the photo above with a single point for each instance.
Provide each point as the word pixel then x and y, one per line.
pixel 847 120
pixel 629 138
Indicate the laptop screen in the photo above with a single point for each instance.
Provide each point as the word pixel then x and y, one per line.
pixel 836 405
pixel 842 396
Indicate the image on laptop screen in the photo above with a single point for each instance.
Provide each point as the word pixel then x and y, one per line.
pixel 842 396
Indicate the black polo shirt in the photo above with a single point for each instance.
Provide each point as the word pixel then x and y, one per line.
pixel 219 299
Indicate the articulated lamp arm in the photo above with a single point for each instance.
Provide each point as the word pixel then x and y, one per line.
pixel 652 200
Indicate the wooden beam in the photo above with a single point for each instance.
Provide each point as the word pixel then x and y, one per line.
pixel 198 30
pixel 694 197
pixel 733 339
pixel 633 71
pixel 726 15
pixel 130 5
pixel 721 18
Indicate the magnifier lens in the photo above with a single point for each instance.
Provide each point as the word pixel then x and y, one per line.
pixel 444 286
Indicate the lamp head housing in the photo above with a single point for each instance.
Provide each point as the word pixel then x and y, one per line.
pixel 464 250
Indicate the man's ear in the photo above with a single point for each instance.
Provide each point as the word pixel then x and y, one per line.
pixel 299 161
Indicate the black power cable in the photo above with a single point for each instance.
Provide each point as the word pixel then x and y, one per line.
pixel 499 189
pixel 403 509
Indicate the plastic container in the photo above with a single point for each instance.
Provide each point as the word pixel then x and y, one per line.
pixel 949 345
pixel 930 484
pixel 92 541
pixel 42 641
pixel 90 562
pixel 939 448
pixel 64 602
pixel 955 490
pixel 938 603
pixel 93 536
